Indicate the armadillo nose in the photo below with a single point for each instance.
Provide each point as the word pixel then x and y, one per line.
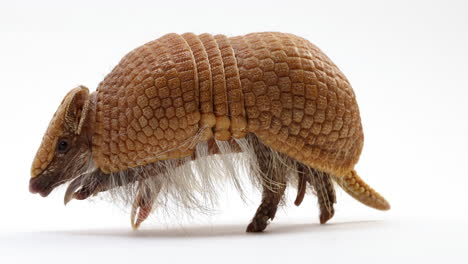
pixel 33 186
pixel 38 185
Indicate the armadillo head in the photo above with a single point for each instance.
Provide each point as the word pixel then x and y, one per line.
pixel 65 148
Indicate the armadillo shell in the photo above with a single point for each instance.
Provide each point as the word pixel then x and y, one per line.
pixel 167 95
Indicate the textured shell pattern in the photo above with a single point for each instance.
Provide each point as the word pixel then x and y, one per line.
pixel 45 153
pixel 167 95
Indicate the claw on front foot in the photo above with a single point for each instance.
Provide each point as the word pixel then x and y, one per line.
pixel 141 208
pixel 70 192
pixel 83 187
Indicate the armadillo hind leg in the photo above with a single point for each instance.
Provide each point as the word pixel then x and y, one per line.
pixel 361 191
pixel 325 191
pixel 323 187
pixel 273 179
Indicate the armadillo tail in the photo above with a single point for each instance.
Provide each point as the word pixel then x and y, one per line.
pixel 360 191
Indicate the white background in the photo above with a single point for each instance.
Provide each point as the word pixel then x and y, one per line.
pixel 408 64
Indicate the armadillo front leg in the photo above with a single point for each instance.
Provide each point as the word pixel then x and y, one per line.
pixel 143 203
pixel 97 181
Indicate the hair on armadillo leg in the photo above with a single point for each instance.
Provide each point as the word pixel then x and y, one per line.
pixel 271 197
pixel 190 183
pixel 96 181
pixel 273 178
pixel 326 197
pixel 322 186
pixel 324 189
pixel 89 184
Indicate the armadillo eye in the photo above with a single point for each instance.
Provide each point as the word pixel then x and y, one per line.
pixel 62 145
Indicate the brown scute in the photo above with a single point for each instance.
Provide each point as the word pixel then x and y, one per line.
pixel 278 86
pixel 203 69
pixel 298 102
pixel 46 150
pixel 218 87
pixel 147 107
pixel 234 93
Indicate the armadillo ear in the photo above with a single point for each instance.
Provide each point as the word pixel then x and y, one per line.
pixel 77 107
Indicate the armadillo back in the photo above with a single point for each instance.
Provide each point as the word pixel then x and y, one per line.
pixel 168 94
pixel 298 101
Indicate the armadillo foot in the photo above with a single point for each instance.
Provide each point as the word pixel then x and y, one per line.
pixel 326 214
pixel 267 209
pixel 265 212
pixel 326 197
pixel 143 205
pixel 85 186
pixel 91 184
pixel 141 209
pixel 273 184
pixel 324 189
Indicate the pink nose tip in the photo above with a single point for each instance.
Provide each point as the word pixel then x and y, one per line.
pixel 32 187
pixel 36 185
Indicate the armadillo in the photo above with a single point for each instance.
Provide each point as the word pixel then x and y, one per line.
pixel 179 113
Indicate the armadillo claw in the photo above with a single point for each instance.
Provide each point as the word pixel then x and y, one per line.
pixel 72 187
pixel 141 209
pixel 301 189
pixel 82 188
